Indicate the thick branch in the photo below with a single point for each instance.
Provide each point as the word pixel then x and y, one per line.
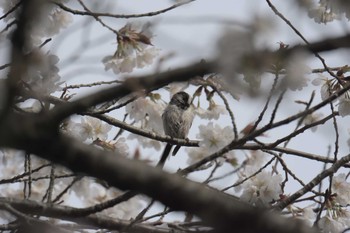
pixel 132 84
pixel 217 209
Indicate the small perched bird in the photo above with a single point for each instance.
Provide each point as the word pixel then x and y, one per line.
pixel 177 121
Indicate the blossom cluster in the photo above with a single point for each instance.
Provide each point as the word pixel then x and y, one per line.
pixel 134 50
pixel 329 10
pixel 261 189
pixel 147 114
pixel 331 86
pixel 42 73
pixel 213 138
pixel 46 26
pixel 337 217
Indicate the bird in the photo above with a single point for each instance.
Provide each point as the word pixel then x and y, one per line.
pixel 177 121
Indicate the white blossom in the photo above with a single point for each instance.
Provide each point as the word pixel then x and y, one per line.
pixel 341 187
pixel 134 50
pixel 322 15
pixel 344 217
pixel 58 19
pixel 136 109
pixel 47 24
pixel 312 118
pixel 125 65
pixel 88 128
pixel 330 225
pixel 255 161
pixel 296 71
pixel 344 106
pixel 308 215
pixel 42 74
pixel 82 188
pixel 145 57
pixel 328 10
pixel 262 189
pixel 332 86
pixel 96 194
pixel 100 129
pixel 148 112
pixel 50 24
pixel 121 146
pixel 196 154
pixel 214 111
pixel 78 130
pixel 214 137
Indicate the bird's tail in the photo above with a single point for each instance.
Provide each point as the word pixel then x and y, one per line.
pixel 165 155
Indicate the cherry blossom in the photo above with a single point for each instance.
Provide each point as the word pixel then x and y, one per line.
pixel 196 154
pixel 328 10
pixel 330 225
pixel 214 137
pixel 47 25
pixel 88 128
pixel 344 106
pixel 311 118
pixel 296 72
pixel 330 86
pixel 134 50
pixel 42 74
pixel 322 14
pixel 147 112
pixel 213 112
pixel 262 189
pixel 341 187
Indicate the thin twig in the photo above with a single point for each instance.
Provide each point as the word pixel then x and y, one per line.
pixel 274 9
pixel 95 14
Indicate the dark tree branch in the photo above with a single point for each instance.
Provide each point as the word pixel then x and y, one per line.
pixel 217 209
pixel 132 84
pixel 118 16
